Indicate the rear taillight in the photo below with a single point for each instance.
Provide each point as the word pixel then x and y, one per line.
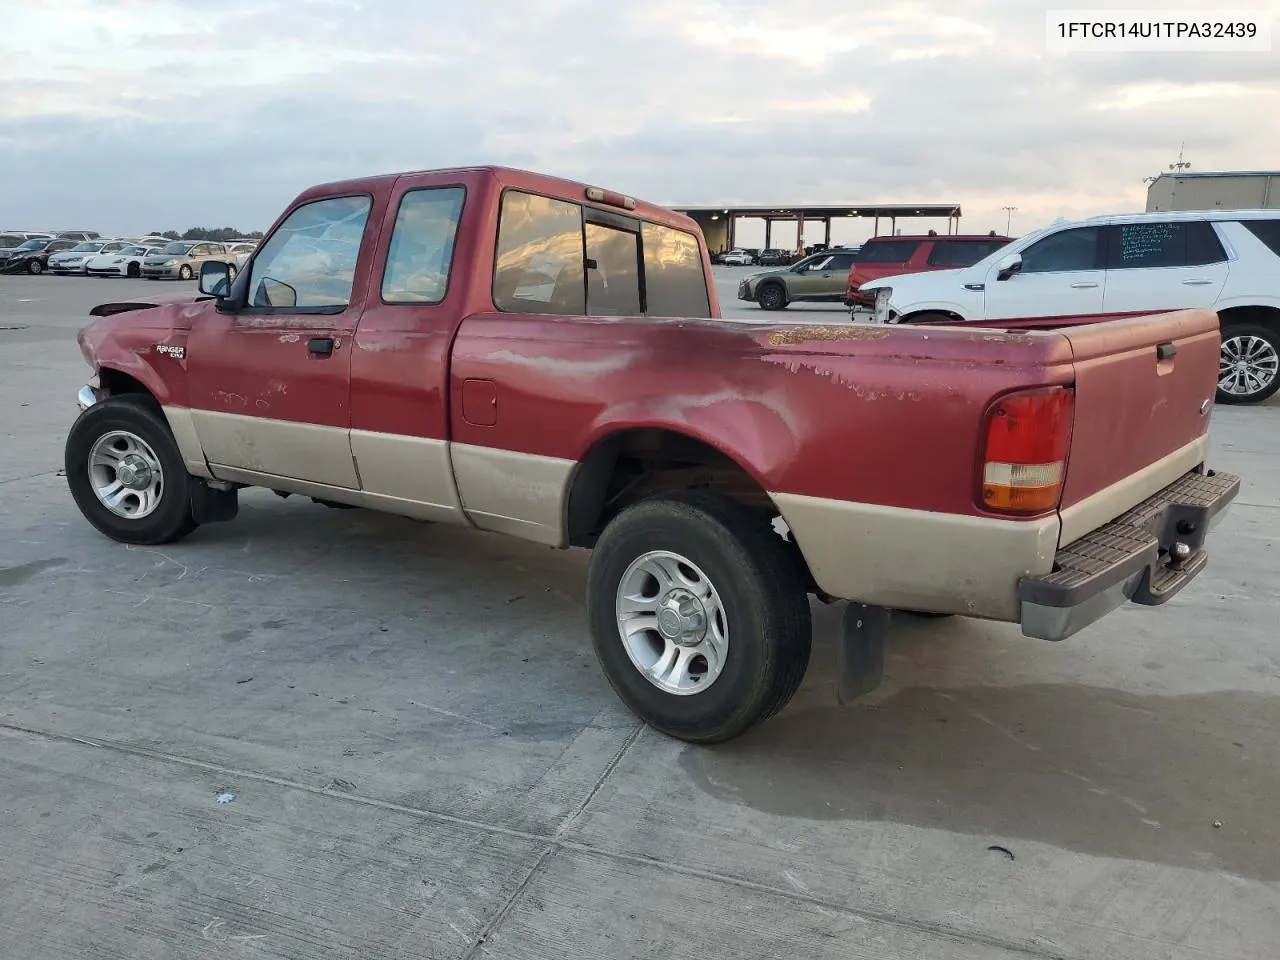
pixel 1025 460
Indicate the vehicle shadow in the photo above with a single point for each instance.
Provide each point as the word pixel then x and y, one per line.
pixel 1097 771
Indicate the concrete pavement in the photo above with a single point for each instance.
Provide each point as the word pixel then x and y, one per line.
pixel 427 762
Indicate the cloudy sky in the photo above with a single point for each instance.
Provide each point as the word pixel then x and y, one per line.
pixel 135 115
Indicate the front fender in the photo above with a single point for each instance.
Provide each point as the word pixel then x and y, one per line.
pixel 149 346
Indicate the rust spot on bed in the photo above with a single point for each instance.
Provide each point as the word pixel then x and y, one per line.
pixel 805 334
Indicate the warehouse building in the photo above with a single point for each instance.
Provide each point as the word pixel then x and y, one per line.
pixel 1238 190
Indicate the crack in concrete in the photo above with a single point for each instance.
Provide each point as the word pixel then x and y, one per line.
pixel 553 843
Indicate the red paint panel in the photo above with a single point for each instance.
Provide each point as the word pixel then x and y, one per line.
pixel 878 415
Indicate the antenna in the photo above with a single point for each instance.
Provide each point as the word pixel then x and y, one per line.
pixel 1175 168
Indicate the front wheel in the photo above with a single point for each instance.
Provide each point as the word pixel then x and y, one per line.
pixel 771 297
pixel 126 474
pixel 699 616
pixel 184 272
pixel 1249 364
pixel 35 268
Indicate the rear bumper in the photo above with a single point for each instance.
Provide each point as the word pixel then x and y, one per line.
pixel 1145 555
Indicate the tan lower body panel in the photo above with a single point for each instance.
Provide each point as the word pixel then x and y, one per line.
pixel 1105 505
pixel 184 434
pixel 916 559
pixel 280 448
pixel 408 469
pixel 521 494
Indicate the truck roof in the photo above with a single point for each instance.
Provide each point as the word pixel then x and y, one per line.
pixel 527 180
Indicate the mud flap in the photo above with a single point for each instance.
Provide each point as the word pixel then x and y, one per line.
pixel 211 505
pixel 860 650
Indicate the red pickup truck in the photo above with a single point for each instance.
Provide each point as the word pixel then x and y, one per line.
pixel 526 355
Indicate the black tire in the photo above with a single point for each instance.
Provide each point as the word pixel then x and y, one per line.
pixel 932 317
pixel 231 273
pixel 133 270
pixel 139 415
pixel 771 296
pixel 184 272
pixel 1239 332
pixel 766 611
pixel 35 268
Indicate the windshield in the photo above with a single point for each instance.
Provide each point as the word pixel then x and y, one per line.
pixel 86 248
pixel 175 248
pixel 132 251
pixel 33 245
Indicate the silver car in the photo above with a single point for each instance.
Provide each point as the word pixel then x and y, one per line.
pixel 182 259
pixel 77 258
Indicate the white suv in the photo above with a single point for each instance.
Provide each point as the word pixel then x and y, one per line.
pixel 1107 267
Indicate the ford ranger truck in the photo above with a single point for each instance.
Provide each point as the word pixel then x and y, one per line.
pixel 545 359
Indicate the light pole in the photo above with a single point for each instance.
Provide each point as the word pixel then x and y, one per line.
pixel 1008 218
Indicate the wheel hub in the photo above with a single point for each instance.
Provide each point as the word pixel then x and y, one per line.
pixel 682 618
pixel 134 472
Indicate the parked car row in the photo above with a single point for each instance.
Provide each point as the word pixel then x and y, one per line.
pixel 1067 274
pixel 1079 272
pixel 150 257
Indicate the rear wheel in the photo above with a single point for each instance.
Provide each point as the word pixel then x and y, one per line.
pixel 1249 364
pixel 126 474
pixel 771 296
pixel 699 616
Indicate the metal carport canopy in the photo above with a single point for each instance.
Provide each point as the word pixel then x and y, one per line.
pixel 817 212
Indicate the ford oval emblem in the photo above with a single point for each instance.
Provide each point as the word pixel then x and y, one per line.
pixel 1204 407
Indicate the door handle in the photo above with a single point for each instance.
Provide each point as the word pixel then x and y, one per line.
pixel 1197 282
pixel 1083 286
pixel 320 346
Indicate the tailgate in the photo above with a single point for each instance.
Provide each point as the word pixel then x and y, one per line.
pixel 1144 389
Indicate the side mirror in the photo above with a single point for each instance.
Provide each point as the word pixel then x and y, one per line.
pixel 215 279
pixel 1009 266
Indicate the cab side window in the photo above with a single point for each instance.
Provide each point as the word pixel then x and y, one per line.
pixel 1067 250
pixel 1153 245
pixel 422 241
pixel 310 261
pixel 539 262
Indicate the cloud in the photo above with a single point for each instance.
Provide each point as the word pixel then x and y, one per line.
pixel 130 115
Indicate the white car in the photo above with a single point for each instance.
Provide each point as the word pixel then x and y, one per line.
pixel 76 260
pixel 1106 267
pixel 126 262
pixel 242 250
pixel 738 258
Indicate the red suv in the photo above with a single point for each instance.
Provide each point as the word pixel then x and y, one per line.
pixel 890 256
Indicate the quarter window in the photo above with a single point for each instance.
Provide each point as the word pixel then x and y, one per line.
pixel 1075 249
pixel 1268 231
pixel 538 266
pixel 674 283
pixel 310 261
pixel 422 241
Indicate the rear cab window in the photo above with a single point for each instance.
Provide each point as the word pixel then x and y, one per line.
pixel 560 257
